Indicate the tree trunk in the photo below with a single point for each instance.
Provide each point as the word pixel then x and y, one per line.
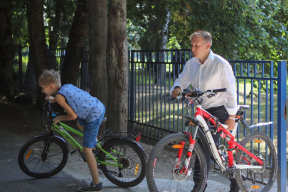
pixel 7 84
pixel 78 34
pixel 38 49
pixel 160 80
pixel 117 66
pixel 54 27
pixel 30 81
pixel 97 49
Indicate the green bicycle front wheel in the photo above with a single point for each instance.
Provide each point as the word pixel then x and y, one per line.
pixel 40 159
pixel 130 155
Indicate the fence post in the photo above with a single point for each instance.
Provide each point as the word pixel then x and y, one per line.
pixel 132 93
pixel 282 126
pixel 20 66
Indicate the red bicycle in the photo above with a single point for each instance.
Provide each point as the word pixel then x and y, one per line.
pixel 254 166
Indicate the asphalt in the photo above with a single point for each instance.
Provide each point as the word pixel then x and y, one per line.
pixel 12 179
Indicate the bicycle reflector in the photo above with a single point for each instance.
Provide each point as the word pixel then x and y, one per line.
pixel 255 187
pixel 177 146
pixel 29 153
pixel 257 141
pixel 138 138
pixel 136 169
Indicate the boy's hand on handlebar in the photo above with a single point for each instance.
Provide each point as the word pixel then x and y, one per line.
pixel 56 120
pixel 176 92
pixel 52 99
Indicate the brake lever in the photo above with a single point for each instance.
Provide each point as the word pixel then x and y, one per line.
pixel 211 95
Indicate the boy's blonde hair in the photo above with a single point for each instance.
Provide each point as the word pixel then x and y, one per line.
pixel 48 77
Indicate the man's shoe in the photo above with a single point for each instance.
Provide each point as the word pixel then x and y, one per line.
pixel 196 186
pixel 234 187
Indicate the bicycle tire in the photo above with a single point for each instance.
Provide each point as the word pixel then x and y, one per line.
pixel 163 156
pixel 33 164
pixel 132 157
pixel 270 163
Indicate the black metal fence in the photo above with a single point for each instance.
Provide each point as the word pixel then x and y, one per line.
pixel 23 67
pixel 152 74
pixel 261 84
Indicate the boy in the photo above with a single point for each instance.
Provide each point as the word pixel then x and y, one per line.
pixel 77 103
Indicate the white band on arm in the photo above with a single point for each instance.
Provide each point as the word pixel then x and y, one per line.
pixel 232 118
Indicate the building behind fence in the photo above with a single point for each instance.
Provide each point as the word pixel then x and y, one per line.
pixel 260 84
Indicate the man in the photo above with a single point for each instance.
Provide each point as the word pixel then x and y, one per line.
pixel 207 70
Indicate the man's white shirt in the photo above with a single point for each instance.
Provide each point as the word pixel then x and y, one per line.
pixel 215 73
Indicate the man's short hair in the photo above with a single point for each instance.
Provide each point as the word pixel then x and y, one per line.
pixel 205 34
pixel 48 77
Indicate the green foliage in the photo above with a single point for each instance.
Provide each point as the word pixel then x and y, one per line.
pixel 66 10
pixel 148 17
pixel 20 25
pixel 241 29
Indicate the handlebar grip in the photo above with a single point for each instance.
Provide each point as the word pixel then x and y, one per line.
pixel 218 90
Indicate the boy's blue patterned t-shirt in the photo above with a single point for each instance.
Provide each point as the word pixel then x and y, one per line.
pixel 87 107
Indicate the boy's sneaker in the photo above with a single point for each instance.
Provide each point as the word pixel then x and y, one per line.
pixel 92 187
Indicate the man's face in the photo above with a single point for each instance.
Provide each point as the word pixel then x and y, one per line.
pixel 199 47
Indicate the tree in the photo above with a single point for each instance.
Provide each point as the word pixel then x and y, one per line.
pixel 244 30
pixel 153 18
pixel 55 17
pixel 19 23
pixel 38 49
pixel 97 49
pixel 117 66
pixel 54 8
pixel 6 49
pixel 78 34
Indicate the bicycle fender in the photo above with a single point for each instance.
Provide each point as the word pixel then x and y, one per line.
pixel 55 137
pixel 127 139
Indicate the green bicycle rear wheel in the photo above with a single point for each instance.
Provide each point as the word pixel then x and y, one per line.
pixel 130 155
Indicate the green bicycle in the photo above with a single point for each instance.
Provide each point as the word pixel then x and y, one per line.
pixel 121 158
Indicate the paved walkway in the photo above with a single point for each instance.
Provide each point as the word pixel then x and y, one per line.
pixel 75 173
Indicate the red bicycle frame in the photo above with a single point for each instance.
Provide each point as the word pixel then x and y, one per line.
pixel 225 134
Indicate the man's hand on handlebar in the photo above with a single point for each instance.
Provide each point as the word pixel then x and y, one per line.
pixel 176 92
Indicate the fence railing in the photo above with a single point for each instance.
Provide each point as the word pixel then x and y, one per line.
pixel 154 72
pixel 260 84
pixel 23 66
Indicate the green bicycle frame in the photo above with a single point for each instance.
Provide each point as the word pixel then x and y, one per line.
pixel 62 130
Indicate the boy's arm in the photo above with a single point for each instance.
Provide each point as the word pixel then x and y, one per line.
pixel 71 115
